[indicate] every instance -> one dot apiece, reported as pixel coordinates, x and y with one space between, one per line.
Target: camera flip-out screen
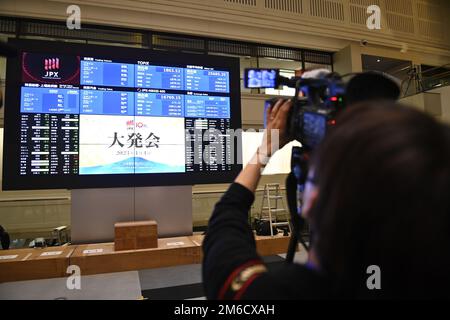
314 128
261 78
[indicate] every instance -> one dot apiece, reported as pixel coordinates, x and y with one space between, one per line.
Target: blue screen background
126 89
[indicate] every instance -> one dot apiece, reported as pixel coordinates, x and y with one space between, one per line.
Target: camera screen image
261 78
314 128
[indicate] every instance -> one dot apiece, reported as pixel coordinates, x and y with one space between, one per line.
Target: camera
316 102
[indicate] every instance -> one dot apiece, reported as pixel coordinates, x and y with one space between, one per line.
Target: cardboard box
135 235
267 245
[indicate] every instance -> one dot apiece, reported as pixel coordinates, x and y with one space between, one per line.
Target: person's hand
275 137
276 133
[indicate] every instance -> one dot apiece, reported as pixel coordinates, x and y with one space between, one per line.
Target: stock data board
90 115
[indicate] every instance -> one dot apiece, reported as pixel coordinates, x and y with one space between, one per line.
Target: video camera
316 102
318 98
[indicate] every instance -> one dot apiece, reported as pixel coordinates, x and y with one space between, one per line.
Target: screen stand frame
95 211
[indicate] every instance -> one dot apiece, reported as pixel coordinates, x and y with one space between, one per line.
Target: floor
179 283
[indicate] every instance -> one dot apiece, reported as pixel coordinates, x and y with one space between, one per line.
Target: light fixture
378 60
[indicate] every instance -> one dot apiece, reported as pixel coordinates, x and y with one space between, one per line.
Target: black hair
383 176
371 85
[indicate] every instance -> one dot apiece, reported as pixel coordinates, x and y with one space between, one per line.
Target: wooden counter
27 264
52 262
101 258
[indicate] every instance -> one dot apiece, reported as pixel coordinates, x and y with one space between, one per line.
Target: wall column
347 60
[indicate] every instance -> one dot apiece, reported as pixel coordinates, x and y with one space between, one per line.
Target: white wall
435 102
280 163
445 102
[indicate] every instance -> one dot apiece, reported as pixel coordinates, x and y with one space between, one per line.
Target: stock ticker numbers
106 73
159 77
214 153
87 96
207 80
159 104
49 144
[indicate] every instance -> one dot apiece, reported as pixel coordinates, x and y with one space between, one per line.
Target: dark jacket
233 270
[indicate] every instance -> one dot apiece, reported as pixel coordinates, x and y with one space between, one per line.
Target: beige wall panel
314 28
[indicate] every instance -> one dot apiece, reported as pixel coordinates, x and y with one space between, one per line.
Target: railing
422 81
436 77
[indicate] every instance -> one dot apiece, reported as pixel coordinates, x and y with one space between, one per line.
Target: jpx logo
51 67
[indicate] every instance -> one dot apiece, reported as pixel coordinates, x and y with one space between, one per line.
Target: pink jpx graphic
51 64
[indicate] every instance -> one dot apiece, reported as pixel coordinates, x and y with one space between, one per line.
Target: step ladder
273 207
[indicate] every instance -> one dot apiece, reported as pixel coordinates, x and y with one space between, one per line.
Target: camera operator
378 196
370 86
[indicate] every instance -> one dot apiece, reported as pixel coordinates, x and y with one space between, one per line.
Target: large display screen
81 116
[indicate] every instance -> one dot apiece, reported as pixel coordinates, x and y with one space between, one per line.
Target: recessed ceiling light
378 60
